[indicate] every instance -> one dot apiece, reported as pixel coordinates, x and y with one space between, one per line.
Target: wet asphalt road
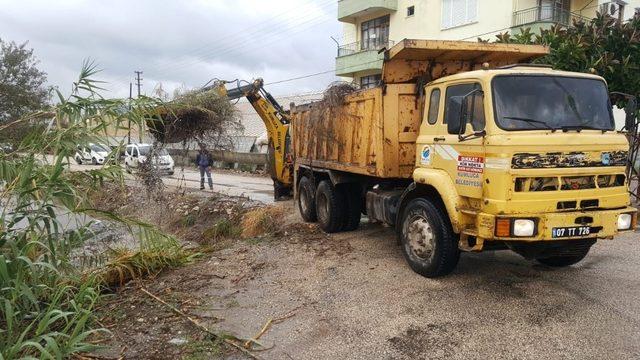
258 188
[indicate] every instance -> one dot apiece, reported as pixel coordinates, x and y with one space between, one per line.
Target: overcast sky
176 43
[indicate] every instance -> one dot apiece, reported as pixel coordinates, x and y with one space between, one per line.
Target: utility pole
139 84
138 80
129 117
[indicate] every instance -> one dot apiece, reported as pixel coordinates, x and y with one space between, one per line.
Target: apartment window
458 12
555 10
375 33
371 81
411 10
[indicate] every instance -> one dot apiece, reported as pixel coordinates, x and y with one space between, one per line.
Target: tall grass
46 303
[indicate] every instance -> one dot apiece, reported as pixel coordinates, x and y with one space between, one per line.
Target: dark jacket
204 160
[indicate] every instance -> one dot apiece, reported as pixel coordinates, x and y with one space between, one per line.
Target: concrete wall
184 157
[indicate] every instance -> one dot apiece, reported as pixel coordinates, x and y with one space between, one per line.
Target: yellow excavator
276 120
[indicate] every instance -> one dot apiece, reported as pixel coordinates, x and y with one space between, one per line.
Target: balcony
360 56
350 10
541 16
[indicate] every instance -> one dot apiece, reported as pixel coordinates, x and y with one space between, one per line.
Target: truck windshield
551 102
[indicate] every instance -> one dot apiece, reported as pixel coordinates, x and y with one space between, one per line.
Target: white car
138 153
93 153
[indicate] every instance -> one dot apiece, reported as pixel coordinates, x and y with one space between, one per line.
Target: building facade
371 25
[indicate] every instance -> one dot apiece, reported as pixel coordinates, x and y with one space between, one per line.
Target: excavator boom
276 121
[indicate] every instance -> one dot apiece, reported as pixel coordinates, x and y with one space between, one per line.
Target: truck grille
567 183
584 204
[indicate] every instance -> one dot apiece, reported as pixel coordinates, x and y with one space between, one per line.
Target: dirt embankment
211 224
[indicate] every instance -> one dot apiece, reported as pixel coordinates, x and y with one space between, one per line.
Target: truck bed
371 134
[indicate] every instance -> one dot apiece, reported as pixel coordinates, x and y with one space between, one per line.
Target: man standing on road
204 162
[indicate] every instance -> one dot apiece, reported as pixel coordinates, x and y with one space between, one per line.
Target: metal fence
367 45
545 14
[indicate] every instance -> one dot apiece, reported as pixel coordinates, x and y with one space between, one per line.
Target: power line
320 73
262 41
180 65
252 34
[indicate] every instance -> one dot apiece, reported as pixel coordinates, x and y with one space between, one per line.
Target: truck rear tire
427 239
306 200
353 201
566 260
330 207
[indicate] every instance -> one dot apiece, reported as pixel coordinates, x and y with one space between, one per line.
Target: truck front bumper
603 224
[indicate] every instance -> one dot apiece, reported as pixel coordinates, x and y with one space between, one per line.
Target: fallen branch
226 338
266 327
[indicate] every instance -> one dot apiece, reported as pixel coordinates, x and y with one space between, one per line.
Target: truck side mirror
454 111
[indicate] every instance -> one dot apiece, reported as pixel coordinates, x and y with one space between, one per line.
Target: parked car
139 153
93 153
6 148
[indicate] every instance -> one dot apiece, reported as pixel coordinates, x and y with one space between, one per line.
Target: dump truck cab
525 157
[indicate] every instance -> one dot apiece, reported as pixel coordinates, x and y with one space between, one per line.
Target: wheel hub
421 238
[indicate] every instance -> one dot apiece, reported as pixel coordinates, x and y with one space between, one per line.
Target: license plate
571 231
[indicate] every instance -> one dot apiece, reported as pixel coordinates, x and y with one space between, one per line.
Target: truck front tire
330 207
427 239
306 199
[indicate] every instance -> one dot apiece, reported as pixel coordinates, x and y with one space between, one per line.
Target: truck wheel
330 206
562 261
428 242
306 200
78 160
353 211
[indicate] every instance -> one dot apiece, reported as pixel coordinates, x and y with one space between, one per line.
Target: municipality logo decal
606 159
425 156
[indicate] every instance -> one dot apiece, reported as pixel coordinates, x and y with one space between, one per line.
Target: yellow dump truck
467 147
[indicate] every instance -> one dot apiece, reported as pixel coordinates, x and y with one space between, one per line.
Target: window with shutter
458 12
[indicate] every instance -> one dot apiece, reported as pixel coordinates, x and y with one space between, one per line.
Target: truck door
438 149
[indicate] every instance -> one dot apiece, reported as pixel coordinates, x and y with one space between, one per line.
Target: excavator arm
276 121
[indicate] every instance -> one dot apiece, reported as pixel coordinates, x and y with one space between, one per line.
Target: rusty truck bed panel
373 133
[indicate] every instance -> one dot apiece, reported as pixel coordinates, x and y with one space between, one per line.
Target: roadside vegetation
46 300
22 91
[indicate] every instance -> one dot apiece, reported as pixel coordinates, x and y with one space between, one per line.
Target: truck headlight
523 227
625 221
